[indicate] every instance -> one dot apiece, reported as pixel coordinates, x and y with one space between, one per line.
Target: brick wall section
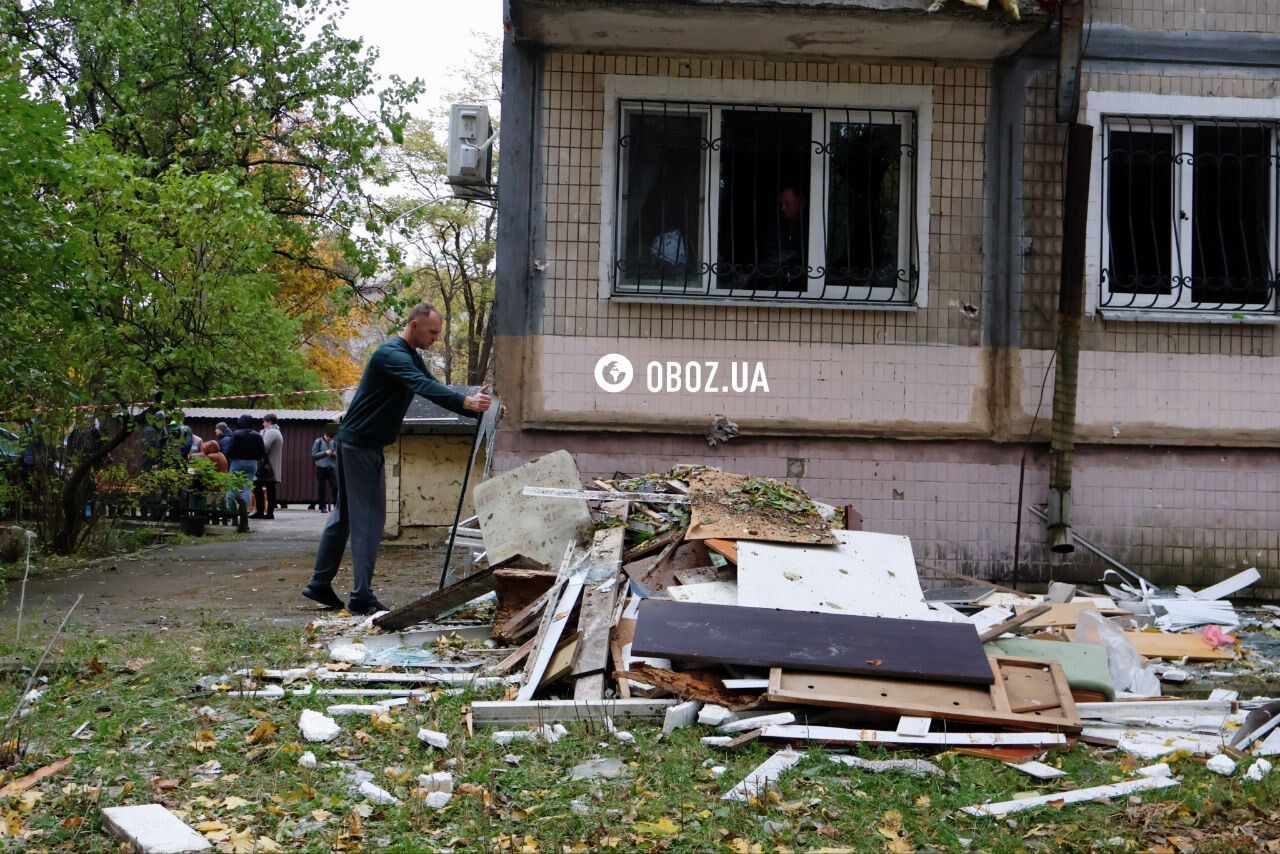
1224 16
1181 517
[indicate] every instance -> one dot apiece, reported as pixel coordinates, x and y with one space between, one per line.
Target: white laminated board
706 592
513 523
867 574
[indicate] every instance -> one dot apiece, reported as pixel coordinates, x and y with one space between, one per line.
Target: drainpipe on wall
1075 211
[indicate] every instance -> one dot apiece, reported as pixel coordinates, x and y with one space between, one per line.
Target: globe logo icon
614 372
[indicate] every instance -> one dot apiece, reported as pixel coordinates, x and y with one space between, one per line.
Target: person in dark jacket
222 433
324 454
393 375
245 449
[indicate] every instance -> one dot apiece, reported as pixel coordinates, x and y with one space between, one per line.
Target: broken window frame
906 290
1182 224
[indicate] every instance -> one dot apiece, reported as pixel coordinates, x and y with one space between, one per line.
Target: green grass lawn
147 742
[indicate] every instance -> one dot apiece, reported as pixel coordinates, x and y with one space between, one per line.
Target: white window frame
1178 113
748 93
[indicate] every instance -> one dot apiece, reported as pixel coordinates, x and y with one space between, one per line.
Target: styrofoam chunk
437 800
441 781
436 739
307 760
351 653
355 709
318 727
377 794
1221 764
1160 770
1259 769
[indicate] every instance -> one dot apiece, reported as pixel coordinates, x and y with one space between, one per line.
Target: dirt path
246 578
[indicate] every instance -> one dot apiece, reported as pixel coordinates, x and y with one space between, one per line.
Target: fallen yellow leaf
661 827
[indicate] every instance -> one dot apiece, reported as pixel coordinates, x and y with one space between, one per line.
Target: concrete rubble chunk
437 740
318 727
152 829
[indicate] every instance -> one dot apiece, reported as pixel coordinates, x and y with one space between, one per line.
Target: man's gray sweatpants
360 512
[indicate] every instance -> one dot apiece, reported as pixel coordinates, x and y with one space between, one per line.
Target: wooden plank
442 601
504 713
653 544
512 660
1013 623
868 574
541 528
1058 615
1192 647
727 549
1035 683
763 637
20 785
842 735
519 588
562 662
604 583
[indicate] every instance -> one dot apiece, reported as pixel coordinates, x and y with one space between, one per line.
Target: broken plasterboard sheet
733 506
866 574
513 523
707 592
152 829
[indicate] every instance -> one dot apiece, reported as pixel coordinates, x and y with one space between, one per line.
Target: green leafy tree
165 163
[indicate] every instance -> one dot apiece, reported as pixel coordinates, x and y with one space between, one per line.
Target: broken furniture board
1026 694
152 829
503 713
764 776
1067 614
1192 647
562 661
707 592
517 589
910 725
1084 664
690 685
840 643
990 617
843 735
722 509
868 574
727 549
438 603
1074 796
958 594
1059 593
541 528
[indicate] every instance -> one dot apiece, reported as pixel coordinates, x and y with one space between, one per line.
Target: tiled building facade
928 414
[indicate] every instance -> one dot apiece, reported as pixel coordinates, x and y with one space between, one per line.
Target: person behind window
784 244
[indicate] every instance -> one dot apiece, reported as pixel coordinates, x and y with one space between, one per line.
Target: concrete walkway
250 577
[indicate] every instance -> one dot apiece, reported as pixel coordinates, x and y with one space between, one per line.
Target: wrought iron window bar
1189 214
706 197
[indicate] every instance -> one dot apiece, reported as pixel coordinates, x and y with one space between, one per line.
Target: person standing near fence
271 469
246 449
324 454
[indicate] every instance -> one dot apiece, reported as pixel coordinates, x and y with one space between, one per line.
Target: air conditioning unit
471 136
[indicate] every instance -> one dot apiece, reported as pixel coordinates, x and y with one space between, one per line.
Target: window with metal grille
1189 214
778 203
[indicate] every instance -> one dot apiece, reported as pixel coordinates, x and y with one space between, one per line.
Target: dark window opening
1140 211
763 236
1230 220
864 204
661 213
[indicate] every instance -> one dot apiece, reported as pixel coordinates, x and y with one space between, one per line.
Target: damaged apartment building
861 202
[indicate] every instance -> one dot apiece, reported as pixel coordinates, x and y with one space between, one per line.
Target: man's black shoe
363 609
324 595
311 507
269 516
257 516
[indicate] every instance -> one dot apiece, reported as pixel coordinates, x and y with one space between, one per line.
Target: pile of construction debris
739 603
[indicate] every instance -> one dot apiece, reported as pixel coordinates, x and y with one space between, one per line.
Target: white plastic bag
1129 670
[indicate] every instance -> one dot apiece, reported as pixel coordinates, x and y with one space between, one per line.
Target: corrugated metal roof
322 415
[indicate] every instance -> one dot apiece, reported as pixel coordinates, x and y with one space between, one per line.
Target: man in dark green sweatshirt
394 374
